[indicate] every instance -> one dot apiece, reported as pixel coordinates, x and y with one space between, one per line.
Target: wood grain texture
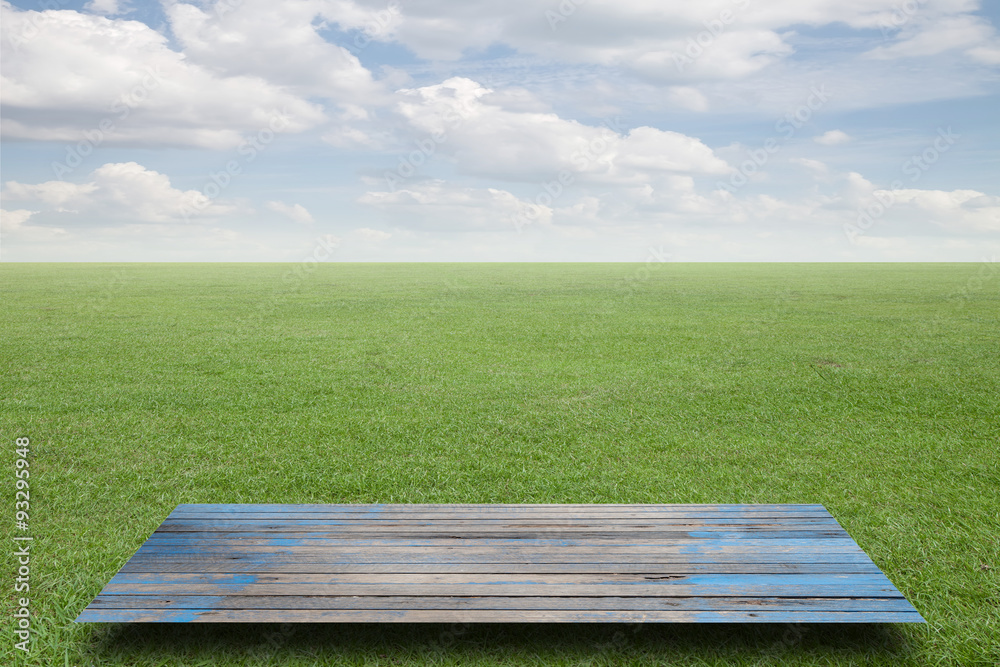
500 563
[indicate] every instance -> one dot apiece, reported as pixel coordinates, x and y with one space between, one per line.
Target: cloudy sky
523 130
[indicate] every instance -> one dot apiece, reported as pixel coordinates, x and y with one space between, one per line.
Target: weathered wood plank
145 564
525 507
499 519
486 616
403 579
279 524
515 548
504 517
374 527
561 537
506 589
353 556
307 525
700 603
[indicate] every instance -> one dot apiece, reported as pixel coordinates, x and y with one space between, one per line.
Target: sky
523 130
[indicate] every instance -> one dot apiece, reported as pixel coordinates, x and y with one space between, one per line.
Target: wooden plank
326 524
483 537
576 523
508 513
404 579
352 556
485 616
700 603
501 508
514 548
333 538
374 527
505 517
145 564
498 519
491 524
508 589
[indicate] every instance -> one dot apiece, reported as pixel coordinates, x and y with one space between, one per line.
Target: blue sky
423 130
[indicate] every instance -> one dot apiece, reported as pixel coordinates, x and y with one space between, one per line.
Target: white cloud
688 98
929 34
813 165
731 55
276 41
12 221
441 205
668 199
834 203
123 191
647 149
69 76
832 138
676 41
471 125
105 7
957 210
988 54
598 31
856 191
861 209
294 212
53 193
14 224
373 235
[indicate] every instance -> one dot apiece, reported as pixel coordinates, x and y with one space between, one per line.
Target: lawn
870 388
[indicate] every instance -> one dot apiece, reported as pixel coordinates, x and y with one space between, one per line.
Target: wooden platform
500 563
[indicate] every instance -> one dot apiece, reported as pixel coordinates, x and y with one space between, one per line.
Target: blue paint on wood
847 581
417 615
128 615
689 545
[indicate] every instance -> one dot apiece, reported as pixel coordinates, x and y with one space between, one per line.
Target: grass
872 389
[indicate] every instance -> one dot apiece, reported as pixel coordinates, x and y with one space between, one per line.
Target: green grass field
872 389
